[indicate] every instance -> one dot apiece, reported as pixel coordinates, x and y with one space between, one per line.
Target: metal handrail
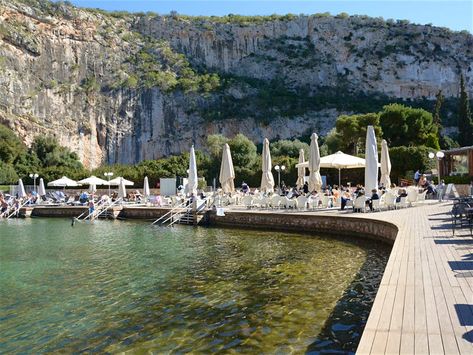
176 210
90 215
187 209
106 208
18 209
170 212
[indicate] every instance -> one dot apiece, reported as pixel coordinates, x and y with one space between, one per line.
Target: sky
454 14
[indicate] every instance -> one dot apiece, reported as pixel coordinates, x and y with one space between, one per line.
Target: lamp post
279 169
439 155
34 177
108 175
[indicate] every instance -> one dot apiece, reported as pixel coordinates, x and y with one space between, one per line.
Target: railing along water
91 216
16 210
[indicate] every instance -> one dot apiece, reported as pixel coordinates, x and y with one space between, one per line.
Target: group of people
423 183
9 205
343 194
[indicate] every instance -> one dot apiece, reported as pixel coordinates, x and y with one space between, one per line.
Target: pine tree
436 116
465 123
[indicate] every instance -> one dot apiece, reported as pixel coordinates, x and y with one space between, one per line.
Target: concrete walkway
424 304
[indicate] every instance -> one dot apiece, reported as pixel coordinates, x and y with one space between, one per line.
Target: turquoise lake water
126 286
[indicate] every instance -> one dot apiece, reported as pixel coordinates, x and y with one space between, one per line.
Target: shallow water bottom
127 286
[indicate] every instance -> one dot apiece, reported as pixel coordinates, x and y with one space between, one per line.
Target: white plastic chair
247 201
264 202
337 202
402 202
411 196
288 203
314 202
390 201
421 196
325 201
376 205
360 204
301 203
275 201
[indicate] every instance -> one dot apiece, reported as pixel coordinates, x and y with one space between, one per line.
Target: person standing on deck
417 177
441 190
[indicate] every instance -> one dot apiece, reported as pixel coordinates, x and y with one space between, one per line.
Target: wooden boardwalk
424 304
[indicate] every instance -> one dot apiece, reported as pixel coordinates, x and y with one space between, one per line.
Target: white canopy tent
338 160
117 181
227 173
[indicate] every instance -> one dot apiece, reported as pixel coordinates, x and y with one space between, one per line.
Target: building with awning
457 161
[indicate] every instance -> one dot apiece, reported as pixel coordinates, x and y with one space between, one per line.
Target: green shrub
8 174
404 159
458 179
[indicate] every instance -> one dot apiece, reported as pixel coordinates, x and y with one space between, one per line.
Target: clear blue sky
454 14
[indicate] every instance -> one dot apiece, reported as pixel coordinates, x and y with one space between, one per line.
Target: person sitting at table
402 193
374 196
83 197
423 181
336 193
294 193
360 191
245 188
306 187
346 196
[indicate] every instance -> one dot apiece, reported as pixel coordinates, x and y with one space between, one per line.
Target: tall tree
407 126
351 131
444 142
465 123
438 105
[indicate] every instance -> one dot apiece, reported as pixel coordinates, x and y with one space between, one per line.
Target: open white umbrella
338 161
41 189
93 180
117 181
385 165
21 189
315 180
63 182
371 157
122 189
300 170
191 187
227 173
146 192
267 180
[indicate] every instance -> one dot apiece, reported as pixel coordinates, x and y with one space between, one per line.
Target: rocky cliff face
127 88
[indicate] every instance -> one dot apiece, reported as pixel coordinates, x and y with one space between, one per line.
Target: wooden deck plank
432 307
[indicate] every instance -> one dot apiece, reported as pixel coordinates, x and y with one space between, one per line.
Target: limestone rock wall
58 74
